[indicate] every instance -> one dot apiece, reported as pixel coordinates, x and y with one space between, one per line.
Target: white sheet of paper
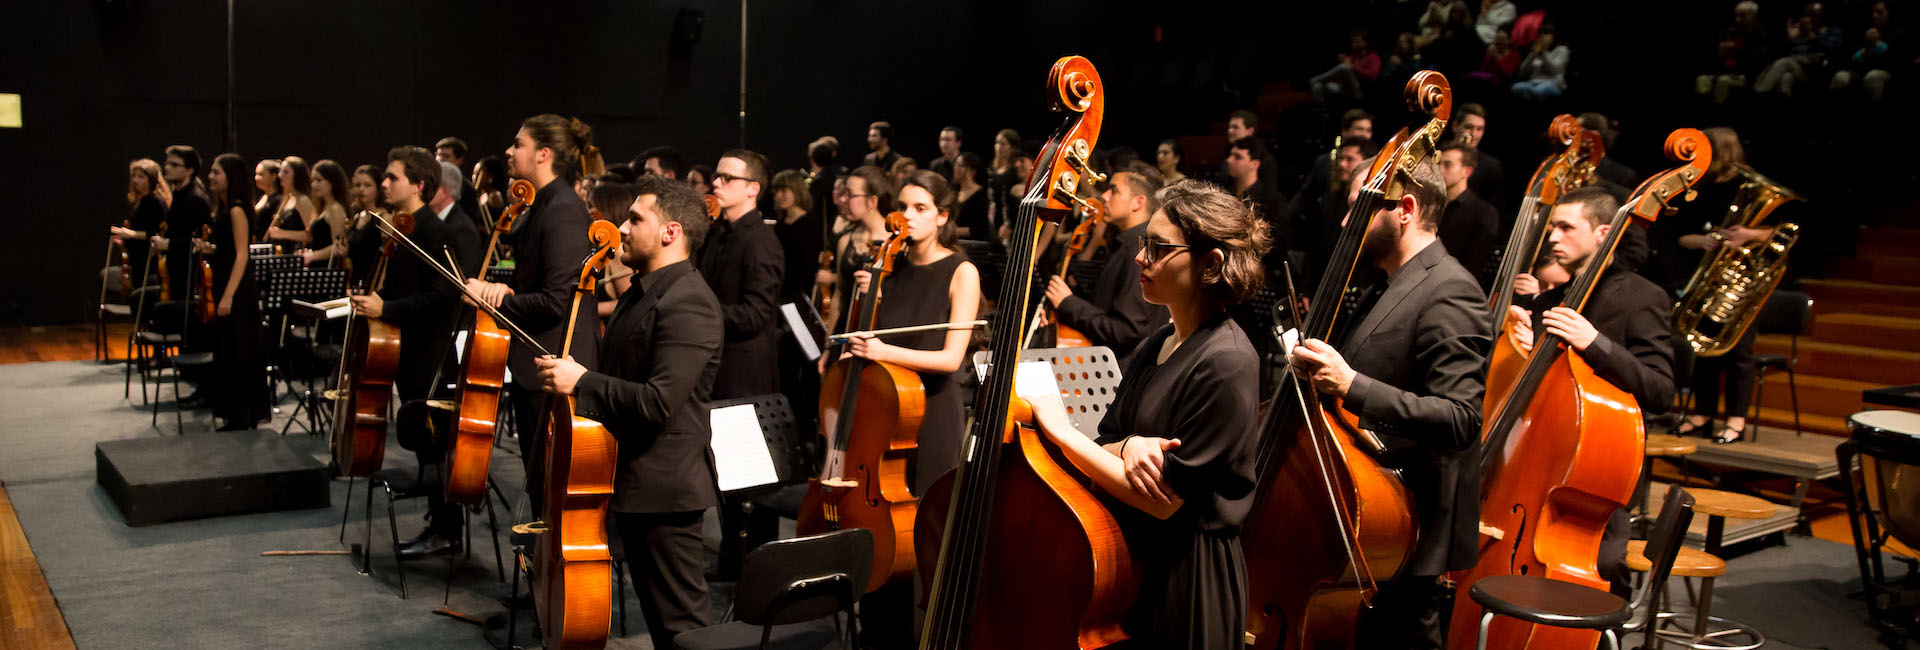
799 328
740 450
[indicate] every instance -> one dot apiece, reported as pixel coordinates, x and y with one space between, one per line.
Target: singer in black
1413 369
659 361
549 246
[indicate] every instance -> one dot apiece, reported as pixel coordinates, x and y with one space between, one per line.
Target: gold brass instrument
1727 290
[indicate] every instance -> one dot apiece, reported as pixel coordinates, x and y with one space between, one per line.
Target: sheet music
741 457
336 308
802 334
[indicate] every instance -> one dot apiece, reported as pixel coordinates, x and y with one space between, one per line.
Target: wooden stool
1707 565
1658 444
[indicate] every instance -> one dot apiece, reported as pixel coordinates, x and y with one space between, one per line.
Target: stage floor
204 584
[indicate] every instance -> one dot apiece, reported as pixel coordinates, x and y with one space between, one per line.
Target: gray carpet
203 584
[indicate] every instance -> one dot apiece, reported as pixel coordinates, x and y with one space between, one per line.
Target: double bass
871 413
573 570
369 357
1095 212
1028 556
1329 519
1573 167
482 378
1564 448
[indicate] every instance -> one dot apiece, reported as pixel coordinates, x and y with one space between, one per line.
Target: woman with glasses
869 195
1175 453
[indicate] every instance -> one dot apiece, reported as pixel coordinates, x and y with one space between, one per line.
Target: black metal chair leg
393 529
1794 399
367 531
346 507
493 533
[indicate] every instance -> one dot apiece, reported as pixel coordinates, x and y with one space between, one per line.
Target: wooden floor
29 617
29 344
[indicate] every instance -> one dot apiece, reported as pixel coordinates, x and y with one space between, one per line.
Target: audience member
1543 74
1353 68
1811 44
1495 16
1739 55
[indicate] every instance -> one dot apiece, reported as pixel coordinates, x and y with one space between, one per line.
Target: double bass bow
993 585
369 357
482 377
573 579
1563 450
870 412
1330 520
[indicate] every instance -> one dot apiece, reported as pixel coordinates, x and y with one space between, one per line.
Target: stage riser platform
156 480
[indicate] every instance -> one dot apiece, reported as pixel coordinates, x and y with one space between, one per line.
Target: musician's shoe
193 401
429 545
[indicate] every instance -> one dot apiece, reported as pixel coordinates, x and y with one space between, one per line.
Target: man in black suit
662 353
1413 368
742 261
454 150
1116 314
880 139
1622 332
1246 160
425 305
1489 181
1469 225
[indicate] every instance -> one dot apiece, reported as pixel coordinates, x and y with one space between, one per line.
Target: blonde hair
156 184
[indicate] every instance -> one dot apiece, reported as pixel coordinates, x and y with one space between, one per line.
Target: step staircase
1866 334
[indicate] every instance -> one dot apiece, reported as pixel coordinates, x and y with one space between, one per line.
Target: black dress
240 369
973 217
917 295
800 243
289 220
320 235
1195 573
148 214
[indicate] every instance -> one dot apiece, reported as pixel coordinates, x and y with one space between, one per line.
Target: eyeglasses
1158 249
725 177
858 196
174 164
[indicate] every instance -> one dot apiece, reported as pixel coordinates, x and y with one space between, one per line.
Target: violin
1563 450
166 285
824 292
1331 520
573 577
369 357
1093 215
713 205
206 306
1028 556
126 261
483 375
870 412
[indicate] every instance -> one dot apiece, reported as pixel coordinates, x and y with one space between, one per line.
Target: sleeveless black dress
240 361
320 235
917 295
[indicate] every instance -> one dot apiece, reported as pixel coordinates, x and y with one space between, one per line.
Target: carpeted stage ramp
203 584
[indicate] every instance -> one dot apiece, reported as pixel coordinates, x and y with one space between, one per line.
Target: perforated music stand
283 282
1088 378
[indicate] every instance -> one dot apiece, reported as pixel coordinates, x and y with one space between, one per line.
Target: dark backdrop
108 81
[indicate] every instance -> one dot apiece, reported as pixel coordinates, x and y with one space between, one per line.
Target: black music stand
281 286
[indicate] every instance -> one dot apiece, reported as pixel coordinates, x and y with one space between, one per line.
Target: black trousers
667 558
426 439
1613 561
1737 366
531 409
1408 613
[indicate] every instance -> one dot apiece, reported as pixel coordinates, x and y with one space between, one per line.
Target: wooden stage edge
29 617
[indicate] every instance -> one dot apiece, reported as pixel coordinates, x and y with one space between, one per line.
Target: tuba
1727 290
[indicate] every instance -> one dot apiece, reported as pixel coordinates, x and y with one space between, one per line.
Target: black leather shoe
193 401
425 536
431 546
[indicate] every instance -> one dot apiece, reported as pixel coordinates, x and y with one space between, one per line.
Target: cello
871 414
1560 173
1330 520
992 585
573 576
1564 449
482 377
369 357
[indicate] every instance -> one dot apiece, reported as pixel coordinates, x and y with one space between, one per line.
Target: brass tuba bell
1727 290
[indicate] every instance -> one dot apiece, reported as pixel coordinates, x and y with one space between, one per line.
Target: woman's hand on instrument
1526 284
559 375
861 278
158 241
870 348
369 305
308 255
825 278
202 246
119 231
226 307
1742 235
492 292
1523 327
1320 363
1571 326
1057 290
1142 458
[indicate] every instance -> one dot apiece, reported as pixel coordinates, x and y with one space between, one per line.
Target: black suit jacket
1489 180
1118 316
1469 227
422 305
742 262
661 355
1420 357
548 249
1632 351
